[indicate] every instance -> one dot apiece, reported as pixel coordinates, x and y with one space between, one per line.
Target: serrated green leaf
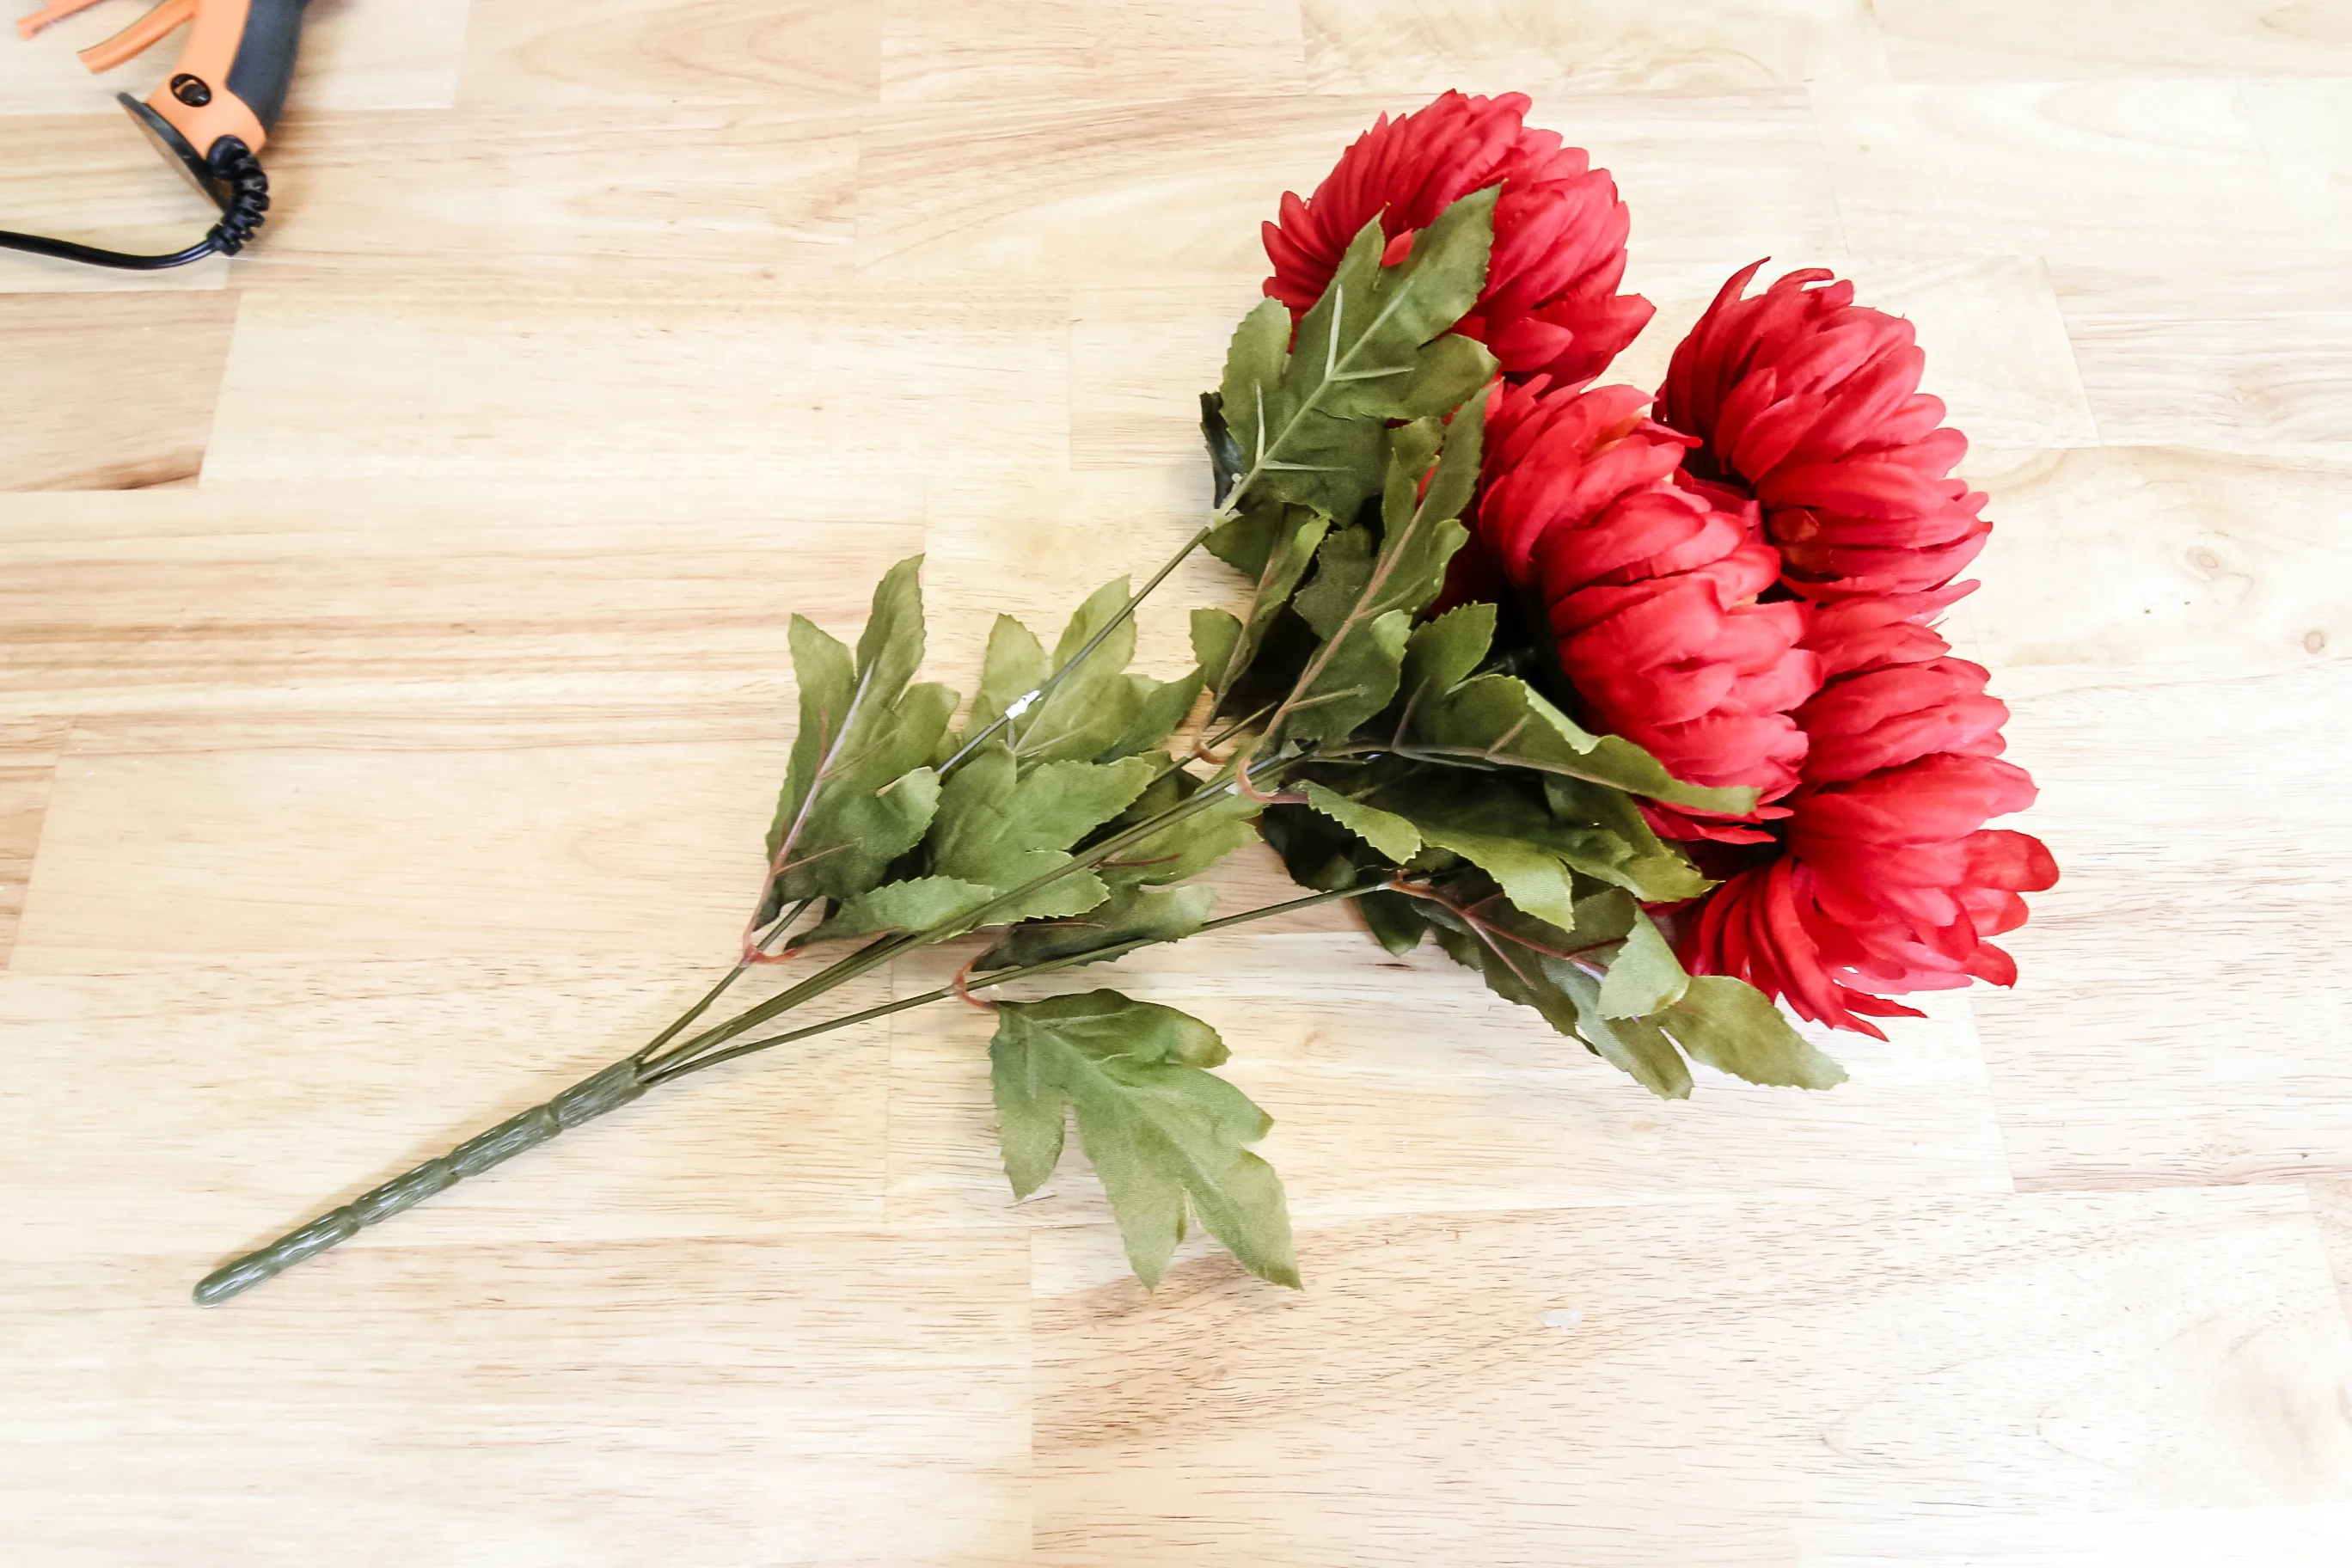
1524 967
1634 1047
1290 550
1735 1028
1013 667
1215 635
859 791
1365 619
1499 720
1385 831
1342 566
1308 427
1162 1131
1185 849
1136 914
1610 840
1003 827
1093 706
1394 922
1498 826
1643 975
1159 707
1254 359
1441 654
920 903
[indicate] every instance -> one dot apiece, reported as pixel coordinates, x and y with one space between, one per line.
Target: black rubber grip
265 58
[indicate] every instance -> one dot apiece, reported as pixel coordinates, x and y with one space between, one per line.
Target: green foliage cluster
1391 757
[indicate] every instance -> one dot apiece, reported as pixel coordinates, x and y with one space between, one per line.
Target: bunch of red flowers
1741 572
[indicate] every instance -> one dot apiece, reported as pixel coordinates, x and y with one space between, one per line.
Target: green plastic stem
590 1097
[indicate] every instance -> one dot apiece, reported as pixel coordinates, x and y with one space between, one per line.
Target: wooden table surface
395 686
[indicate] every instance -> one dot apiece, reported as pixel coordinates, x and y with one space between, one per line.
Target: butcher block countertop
393 687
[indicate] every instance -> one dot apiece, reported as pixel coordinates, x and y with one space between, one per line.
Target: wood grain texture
1767 1367
1561 46
100 424
395 686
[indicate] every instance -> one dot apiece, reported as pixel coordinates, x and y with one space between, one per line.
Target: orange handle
55 11
142 35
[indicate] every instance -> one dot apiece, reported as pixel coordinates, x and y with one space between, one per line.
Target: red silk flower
1550 305
1888 880
1884 878
1649 583
1811 404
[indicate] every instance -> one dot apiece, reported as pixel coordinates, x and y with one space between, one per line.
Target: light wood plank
386 386
2139 560
1529 45
2201 1538
2252 359
28 762
2332 1201
2306 127
2181 981
196 1108
2102 170
1052 51
321 847
735 201
126 387
603 54
199 615
1136 193
1726 1379
2017 40
817 1400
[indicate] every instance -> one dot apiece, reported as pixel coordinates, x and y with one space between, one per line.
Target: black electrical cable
247 208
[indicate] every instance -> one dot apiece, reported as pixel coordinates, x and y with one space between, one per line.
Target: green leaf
1441 654
1365 615
1607 838
1013 667
1159 707
1385 831
1254 359
1635 1046
1498 826
1185 849
1733 1028
1643 976
1135 915
1498 720
1513 962
1395 920
1003 828
859 791
1307 427
1290 549
1163 1133
1093 707
920 903
1342 567
1215 635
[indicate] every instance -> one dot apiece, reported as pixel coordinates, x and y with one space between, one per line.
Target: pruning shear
211 115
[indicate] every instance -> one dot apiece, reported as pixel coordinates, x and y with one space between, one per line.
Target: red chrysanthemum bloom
1649 583
1550 305
1888 880
1811 404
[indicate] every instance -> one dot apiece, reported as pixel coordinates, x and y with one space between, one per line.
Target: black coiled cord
246 208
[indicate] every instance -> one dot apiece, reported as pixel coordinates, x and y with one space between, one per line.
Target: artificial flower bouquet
1631 703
